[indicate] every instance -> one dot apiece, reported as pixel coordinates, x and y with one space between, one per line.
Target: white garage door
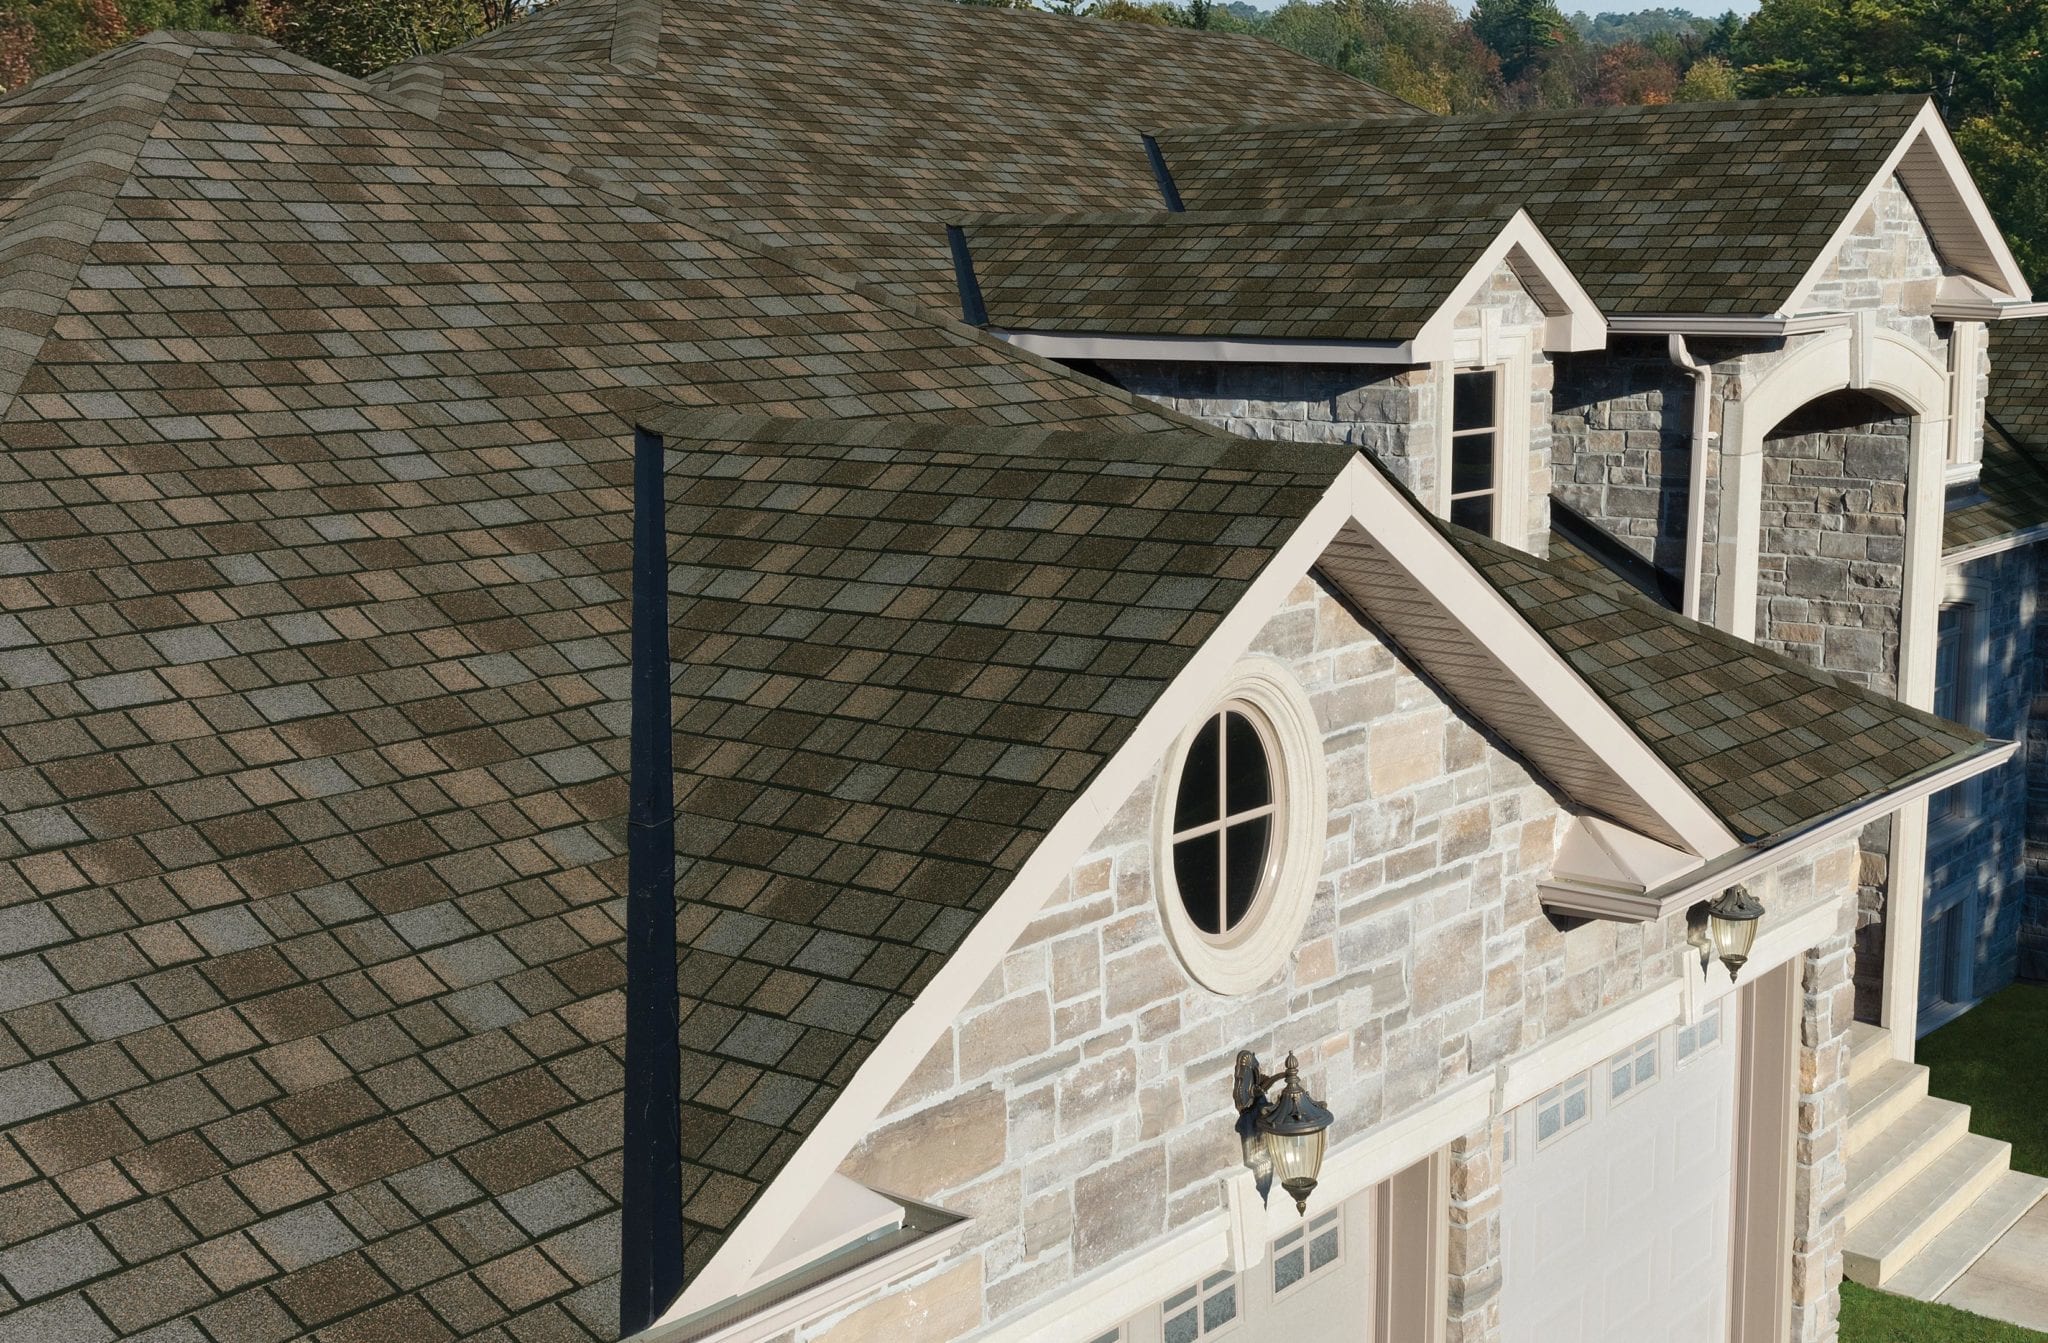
1615 1200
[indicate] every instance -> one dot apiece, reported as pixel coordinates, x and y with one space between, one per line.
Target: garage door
1616 1195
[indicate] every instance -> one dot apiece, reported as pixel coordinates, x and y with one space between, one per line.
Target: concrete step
1963 1242
1884 1241
1870 1048
1879 1098
1893 1158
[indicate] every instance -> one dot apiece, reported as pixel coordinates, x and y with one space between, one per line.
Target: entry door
1616 1199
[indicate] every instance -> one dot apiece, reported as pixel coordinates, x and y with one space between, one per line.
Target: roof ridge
1535 116
47 241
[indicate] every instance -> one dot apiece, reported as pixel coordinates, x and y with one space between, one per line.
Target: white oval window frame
1254 951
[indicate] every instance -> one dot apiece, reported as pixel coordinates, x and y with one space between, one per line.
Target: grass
1992 1059
1880 1317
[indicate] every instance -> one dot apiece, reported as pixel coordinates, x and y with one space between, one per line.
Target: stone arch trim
1859 357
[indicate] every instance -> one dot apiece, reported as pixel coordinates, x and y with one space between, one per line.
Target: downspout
651 1198
1696 485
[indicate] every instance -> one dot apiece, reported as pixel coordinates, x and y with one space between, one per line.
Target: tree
1521 32
1708 80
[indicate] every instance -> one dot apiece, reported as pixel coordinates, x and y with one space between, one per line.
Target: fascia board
1926 126
854 1113
1206 349
1595 902
1712 324
1572 315
1434 565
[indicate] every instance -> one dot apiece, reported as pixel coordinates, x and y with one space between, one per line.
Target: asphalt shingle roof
2019 381
1685 208
899 655
314 543
855 129
1290 274
1771 744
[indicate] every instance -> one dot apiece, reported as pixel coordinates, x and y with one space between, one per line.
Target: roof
900 654
854 129
1682 208
1771 744
314 540
2018 398
1289 274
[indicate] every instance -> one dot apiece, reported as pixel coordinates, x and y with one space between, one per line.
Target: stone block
1012 1030
939 1148
1119 1207
947 1305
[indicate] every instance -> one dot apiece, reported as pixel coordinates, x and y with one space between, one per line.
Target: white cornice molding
1623 906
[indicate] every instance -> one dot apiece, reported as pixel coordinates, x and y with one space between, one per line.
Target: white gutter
1997 545
1209 349
1986 311
1706 324
1696 483
1746 862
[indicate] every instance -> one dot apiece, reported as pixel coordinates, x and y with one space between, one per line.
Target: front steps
1926 1195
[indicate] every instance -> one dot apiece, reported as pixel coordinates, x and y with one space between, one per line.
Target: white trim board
1112 1294
1600 1037
1997 545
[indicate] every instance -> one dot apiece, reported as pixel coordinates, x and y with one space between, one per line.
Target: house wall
1079 1109
1621 454
2033 930
1831 568
1393 413
1983 855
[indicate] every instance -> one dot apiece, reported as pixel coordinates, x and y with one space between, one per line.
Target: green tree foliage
1984 62
1523 33
1710 80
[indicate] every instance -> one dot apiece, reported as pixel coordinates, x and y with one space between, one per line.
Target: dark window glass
1249 783
1471 463
1195 863
1196 804
1476 513
1223 822
1472 400
1245 853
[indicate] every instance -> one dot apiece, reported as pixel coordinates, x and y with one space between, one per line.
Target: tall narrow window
1951 695
1475 448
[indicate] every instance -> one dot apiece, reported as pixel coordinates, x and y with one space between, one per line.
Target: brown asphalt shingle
1685 208
1771 744
1282 274
899 655
854 129
314 520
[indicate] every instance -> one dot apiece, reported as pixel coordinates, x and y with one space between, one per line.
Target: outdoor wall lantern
1729 929
1283 1136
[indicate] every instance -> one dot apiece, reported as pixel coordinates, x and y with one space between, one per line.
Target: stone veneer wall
1389 412
1621 444
1820 1185
1831 567
1078 1110
2033 934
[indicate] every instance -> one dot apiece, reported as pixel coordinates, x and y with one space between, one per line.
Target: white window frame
1255 950
1508 357
1302 1237
1971 598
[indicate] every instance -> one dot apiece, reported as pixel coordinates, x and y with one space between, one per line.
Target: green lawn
1992 1059
1880 1317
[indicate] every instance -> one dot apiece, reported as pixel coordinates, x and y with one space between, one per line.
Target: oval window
1223 822
1239 815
